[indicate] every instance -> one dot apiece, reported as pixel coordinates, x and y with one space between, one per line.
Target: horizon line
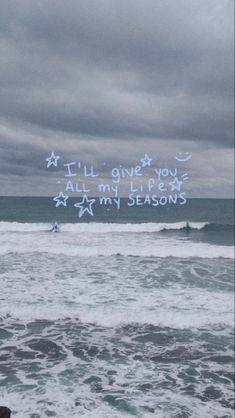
121 197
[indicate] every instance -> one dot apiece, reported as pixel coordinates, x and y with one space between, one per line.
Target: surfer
55 227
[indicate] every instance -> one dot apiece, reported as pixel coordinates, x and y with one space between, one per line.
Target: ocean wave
104 228
111 239
159 249
161 317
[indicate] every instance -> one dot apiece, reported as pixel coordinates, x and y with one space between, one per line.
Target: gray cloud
112 77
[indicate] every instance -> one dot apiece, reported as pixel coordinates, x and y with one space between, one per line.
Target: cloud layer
114 79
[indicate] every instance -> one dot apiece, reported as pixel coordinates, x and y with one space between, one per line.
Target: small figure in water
55 227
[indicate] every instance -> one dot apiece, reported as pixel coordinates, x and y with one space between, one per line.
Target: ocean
127 313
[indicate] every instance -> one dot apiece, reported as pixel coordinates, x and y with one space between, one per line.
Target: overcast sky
111 80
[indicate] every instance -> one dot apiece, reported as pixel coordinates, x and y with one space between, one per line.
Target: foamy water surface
115 320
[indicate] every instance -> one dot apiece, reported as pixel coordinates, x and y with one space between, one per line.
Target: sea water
127 313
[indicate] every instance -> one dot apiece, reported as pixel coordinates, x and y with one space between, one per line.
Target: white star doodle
58 200
146 161
83 208
175 184
52 160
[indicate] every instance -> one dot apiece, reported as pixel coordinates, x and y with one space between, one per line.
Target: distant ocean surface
127 313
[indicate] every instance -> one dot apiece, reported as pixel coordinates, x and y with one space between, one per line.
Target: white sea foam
111 291
60 401
94 239
59 277
125 247
102 228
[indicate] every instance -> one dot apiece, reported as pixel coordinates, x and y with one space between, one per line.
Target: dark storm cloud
155 68
122 71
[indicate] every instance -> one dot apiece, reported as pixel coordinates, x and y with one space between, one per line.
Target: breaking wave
98 227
